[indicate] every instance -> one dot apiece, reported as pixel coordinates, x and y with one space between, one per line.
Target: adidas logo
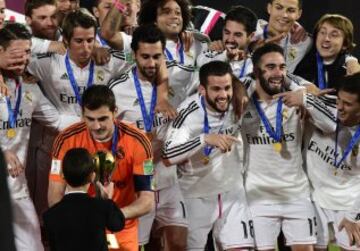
64 76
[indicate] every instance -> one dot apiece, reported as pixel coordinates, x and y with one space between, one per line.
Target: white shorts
295 219
169 211
26 226
328 223
227 214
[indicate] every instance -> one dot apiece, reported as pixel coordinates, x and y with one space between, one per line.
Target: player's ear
202 90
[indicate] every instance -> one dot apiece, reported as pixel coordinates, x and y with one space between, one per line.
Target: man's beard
267 86
212 104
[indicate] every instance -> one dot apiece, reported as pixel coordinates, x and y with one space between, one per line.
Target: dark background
312 10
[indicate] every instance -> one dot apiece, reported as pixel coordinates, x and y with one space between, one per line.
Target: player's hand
221 141
13 59
4 89
129 29
187 37
291 98
100 55
235 53
352 229
15 168
298 33
106 191
261 42
217 45
352 67
57 47
314 90
166 109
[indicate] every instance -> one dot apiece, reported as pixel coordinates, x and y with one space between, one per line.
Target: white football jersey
274 176
185 147
129 110
33 106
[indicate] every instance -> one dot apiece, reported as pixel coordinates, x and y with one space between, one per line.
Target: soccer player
17 111
332 163
40 15
131 149
276 185
329 59
203 141
238 31
283 15
136 105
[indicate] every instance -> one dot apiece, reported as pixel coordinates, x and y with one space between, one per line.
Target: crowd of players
245 137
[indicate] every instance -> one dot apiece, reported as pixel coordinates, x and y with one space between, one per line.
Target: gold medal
277 147
335 172
205 160
149 135
11 133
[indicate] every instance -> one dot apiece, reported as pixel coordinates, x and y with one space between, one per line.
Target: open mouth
276 81
231 46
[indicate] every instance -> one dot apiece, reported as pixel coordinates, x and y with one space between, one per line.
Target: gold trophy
104 166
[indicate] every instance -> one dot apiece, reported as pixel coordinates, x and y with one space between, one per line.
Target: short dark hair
13 31
77 18
351 84
148 33
300 3
243 15
214 68
265 49
97 96
30 5
148 11
77 166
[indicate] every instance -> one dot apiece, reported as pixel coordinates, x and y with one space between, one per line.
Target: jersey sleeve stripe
320 107
180 149
184 113
73 130
139 136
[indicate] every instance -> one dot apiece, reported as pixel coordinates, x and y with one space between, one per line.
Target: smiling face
271 73
235 35
348 106
329 41
218 92
169 19
283 14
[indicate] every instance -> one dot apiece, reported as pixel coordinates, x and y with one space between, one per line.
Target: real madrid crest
100 76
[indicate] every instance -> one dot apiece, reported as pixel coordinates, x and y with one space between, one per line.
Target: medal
277 134
277 147
205 160
11 133
355 151
147 117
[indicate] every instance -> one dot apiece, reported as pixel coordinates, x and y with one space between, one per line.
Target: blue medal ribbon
114 141
102 41
355 138
13 113
147 117
243 68
180 50
72 79
320 72
277 134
